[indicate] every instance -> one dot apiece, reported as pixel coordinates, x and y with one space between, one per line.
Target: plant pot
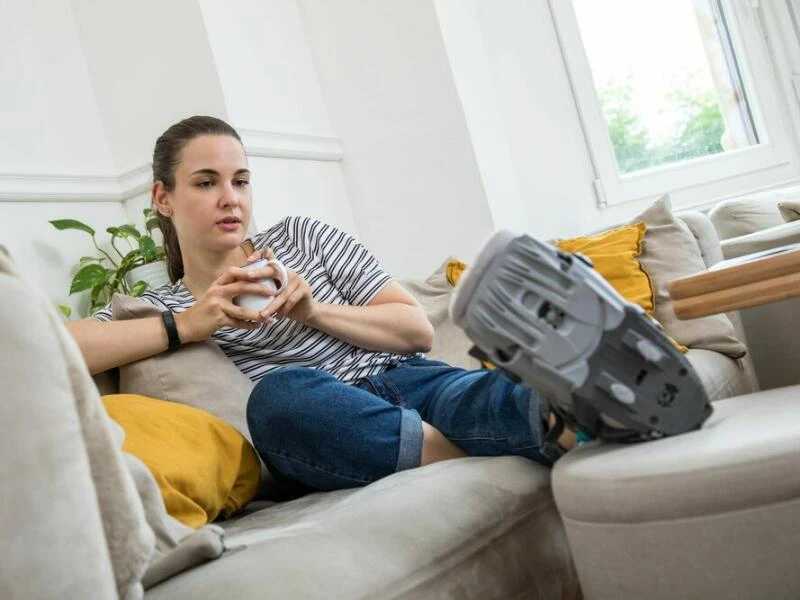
154 273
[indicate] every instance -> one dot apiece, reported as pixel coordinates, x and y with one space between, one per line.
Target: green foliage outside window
698 133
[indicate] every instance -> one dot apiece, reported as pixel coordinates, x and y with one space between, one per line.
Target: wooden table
742 282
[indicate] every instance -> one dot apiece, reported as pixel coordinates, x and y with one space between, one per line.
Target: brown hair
166 156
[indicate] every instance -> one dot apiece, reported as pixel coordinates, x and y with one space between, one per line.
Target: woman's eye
242 182
204 184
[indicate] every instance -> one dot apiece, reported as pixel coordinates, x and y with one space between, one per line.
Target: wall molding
57 187
44 187
268 144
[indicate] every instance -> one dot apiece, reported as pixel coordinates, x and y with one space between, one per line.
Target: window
675 96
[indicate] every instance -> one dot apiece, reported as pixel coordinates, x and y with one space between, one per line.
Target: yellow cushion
203 466
455 268
614 256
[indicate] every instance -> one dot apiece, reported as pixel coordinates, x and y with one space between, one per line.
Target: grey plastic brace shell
549 319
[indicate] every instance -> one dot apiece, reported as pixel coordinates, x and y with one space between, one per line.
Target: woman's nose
229 195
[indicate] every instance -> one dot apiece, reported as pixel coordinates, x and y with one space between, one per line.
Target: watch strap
172 330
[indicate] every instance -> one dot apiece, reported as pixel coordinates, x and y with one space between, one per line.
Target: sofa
466 528
756 224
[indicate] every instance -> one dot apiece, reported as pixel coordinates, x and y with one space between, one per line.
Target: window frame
700 181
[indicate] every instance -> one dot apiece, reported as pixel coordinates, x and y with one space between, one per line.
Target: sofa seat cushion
466 528
721 376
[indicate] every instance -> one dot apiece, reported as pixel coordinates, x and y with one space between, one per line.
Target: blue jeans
309 427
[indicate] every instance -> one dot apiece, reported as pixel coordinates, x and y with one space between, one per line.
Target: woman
343 396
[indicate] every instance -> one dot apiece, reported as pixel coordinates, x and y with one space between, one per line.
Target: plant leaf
88 277
148 249
90 259
128 262
62 224
152 224
65 310
131 231
139 288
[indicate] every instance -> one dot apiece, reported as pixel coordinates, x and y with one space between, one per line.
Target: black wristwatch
172 330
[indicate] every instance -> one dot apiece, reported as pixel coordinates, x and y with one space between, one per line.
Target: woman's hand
215 309
294 301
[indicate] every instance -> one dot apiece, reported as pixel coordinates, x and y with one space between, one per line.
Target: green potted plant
135 268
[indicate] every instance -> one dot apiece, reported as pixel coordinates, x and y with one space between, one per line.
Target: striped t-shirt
338 269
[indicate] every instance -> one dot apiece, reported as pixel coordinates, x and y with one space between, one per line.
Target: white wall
48 114
264 66
287 187
410 171
536 107
45 257
460 24
91 85
273 97
50 128
151 65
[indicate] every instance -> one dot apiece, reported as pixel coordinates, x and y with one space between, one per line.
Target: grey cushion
466 528
790 210
671 252
741 216
198 375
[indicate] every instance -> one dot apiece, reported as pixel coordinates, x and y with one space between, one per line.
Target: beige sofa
772 339
469 528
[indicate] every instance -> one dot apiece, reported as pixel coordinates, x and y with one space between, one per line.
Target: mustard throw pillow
614 256
202 465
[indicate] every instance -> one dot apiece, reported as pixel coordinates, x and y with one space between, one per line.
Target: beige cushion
469 528
741 216
789 209
450 344
721 376
671 252
198 375
709 514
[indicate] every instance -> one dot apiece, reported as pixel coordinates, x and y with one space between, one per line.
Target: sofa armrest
771 339
765 239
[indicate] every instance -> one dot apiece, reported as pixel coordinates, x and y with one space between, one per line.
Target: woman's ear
161 199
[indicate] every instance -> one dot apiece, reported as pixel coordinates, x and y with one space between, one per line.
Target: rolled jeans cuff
538 414
409 455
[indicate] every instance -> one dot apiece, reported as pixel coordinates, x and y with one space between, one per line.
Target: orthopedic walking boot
549 320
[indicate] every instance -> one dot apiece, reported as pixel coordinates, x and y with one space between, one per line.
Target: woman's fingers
241 315
273 307
291 301
243 324
235 274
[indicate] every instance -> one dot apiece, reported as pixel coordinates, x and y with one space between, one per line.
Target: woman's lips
229 226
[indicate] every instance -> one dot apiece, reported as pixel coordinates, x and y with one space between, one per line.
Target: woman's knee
281 399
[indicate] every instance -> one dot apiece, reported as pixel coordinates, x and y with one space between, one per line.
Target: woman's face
211 203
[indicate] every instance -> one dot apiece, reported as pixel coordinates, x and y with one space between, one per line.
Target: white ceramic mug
254 301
